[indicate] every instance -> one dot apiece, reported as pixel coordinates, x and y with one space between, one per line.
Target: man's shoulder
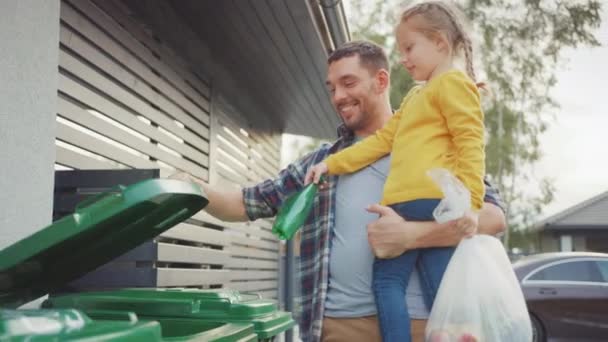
328 147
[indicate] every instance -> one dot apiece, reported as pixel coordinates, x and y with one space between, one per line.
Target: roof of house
589 214
267 59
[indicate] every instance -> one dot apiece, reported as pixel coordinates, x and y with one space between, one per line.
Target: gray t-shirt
350 261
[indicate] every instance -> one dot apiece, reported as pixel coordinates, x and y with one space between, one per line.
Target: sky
574 146
574 154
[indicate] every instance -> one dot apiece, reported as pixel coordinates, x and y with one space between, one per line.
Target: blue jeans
391 276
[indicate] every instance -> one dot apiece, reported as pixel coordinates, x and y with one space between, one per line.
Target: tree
521 45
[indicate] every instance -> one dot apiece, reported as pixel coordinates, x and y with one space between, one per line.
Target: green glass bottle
294 212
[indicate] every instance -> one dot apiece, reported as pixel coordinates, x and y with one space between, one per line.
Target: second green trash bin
168 305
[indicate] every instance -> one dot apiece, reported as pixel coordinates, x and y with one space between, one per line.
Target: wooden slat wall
242 158
125 100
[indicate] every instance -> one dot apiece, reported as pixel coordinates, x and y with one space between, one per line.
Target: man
336 249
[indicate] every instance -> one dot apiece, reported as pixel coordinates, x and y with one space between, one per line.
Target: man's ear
382 80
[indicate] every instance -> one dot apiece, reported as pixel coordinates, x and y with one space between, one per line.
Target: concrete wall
29 38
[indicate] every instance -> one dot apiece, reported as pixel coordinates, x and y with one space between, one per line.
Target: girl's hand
314 173
468 223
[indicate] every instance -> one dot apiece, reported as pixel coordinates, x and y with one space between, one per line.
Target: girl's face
420 55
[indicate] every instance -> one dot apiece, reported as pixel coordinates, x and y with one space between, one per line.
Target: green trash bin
71 325
167 305
101 229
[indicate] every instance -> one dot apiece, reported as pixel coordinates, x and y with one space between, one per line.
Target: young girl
439 124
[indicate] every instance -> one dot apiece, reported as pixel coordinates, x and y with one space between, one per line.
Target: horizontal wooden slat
121 53
128 78
253 141
252 230
193 233
264 223
252 252
249 168
252 263
191 277
254 286
270 294
271 170
260 173
77 114
78 161
122 95
246 228
238 168
231 175
253 275
117 23
268 154
271 245
110 109
193 255
85 141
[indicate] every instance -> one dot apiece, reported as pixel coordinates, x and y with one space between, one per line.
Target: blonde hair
441 17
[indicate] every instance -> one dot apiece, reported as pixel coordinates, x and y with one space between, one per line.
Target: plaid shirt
264 200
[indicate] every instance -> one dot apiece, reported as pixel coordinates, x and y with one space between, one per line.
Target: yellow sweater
439 124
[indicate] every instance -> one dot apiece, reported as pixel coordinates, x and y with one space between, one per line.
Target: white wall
29 39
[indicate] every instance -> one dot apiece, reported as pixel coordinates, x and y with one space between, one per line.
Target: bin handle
127 316
255 294
115 190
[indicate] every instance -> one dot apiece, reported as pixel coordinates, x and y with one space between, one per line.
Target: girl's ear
441 41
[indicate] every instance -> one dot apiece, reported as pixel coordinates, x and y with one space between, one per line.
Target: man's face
353 91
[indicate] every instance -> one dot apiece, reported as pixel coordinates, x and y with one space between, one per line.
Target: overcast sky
576 145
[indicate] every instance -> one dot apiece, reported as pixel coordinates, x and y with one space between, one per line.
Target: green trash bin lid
219 305
72 325
100 230
189 329
186 329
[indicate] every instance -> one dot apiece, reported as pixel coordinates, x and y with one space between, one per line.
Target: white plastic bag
479 298
457 198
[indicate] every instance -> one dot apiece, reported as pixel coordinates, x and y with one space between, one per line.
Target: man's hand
314 173
388 236
468 224
224 205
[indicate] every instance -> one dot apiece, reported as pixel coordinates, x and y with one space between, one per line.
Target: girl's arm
460 105
365 152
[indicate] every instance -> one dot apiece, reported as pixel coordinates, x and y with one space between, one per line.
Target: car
566 294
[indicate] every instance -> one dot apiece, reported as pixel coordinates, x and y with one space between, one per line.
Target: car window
603 266
570 271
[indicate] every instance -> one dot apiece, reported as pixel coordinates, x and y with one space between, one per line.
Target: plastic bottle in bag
294 211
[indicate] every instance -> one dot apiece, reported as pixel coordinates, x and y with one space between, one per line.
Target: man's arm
257 201
391 235
224 205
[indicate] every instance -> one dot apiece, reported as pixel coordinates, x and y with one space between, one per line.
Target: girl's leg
432 263
390 278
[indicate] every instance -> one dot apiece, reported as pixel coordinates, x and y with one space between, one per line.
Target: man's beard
358 124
